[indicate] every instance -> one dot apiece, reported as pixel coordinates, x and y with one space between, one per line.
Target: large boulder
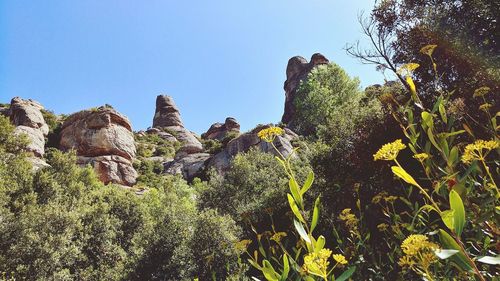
189 166
167 118
296 71
103 138
111 169
219 131
98 132
27 116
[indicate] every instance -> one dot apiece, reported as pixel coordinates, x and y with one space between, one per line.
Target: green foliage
62 223
251 173
149 145
330 103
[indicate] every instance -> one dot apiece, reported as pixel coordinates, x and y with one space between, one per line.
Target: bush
330 104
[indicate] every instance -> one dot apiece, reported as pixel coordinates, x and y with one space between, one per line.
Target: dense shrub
62 223
329 103
253 187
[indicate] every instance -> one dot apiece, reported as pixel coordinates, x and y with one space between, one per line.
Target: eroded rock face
218 131
26 115
167 117
103 138
189 166
296 71
222 160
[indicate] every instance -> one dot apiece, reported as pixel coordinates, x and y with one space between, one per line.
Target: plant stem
459 242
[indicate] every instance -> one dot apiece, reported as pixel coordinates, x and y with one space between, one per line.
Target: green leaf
459 258
302 232
448 218
442 112
427 119
315 216
430 134
401 173
346 274
308 183
294 189
254 264
294 208
457 206
490 260
269 271
320 243
286 268
453 157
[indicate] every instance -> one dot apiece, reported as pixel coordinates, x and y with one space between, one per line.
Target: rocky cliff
296 71
103 137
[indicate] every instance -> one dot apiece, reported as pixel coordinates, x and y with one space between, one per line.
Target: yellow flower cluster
478 150
481 92
419 252
278 236
350 220
407 69
242 245
317 262
421 156
269 134
428 49
340 259
389 151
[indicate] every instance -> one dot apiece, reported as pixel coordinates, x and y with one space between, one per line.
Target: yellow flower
278 236
407 69
242 245
428 49
421 156
419 252
389 151
382 227
350 220
481 92
485 107
269 134
317 263
478 150
340 259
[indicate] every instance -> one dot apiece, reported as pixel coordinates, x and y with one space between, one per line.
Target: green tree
330 104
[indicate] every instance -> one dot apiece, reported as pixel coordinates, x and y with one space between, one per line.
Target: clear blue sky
216 58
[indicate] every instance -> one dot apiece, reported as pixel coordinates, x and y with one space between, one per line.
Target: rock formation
167 118
296 71
218 131
27 116
222 160
103 138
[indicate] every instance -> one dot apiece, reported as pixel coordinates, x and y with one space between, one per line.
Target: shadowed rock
26 115
296 71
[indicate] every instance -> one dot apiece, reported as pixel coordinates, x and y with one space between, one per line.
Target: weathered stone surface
297 70
36 138
26 115
189 166
222 160
111 169
167 119
166 113
218 131
104 139
98 132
